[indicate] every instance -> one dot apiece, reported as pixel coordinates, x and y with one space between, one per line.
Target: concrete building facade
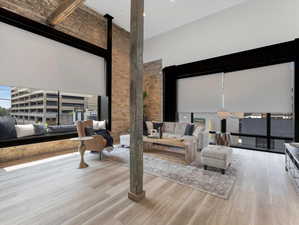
39 106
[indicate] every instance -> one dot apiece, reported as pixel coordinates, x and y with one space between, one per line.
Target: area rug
209 181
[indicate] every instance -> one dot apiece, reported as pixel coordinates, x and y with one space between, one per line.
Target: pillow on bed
25 130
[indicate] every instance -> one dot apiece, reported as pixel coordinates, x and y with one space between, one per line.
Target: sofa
10 131
19 142
187 131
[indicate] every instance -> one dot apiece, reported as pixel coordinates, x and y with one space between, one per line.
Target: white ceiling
161 15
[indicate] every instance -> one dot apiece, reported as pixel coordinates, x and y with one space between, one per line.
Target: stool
216 156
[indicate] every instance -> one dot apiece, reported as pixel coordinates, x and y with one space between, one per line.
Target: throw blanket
105 134
89 131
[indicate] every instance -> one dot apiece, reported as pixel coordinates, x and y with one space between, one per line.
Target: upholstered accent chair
97 144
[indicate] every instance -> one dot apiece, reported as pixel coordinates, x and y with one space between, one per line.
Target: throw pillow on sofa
189 130
157 125
99 125
7 128
145 131
25 130
168 127
149 126
197 131
39 129
180 129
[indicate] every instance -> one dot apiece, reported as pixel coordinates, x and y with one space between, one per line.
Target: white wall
256 23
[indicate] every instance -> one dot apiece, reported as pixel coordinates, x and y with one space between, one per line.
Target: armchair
97 144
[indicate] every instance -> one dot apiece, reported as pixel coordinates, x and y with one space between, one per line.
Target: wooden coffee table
187 148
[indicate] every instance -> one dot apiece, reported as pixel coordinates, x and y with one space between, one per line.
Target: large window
261 131
5 101
33 106
46 79
263 95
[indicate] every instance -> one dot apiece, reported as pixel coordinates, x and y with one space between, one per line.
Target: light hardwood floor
59 193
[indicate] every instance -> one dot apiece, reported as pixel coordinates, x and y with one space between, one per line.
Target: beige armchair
97 144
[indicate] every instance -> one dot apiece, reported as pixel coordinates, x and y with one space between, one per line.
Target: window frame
269 138
49 32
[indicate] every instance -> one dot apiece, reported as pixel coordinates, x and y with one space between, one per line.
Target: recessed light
172 0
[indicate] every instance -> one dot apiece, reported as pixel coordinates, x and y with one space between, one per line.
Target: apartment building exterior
38 106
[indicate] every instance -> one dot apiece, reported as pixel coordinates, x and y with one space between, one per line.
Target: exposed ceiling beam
66 8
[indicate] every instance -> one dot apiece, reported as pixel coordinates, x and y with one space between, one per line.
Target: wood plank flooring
58 193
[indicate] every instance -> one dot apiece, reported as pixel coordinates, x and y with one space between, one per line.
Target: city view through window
250 130
32 106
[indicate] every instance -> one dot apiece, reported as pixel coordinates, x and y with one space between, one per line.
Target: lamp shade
223 115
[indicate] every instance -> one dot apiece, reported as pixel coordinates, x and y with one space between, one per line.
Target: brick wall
27 151
153 87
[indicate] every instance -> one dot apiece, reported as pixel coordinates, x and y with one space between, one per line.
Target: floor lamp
223 116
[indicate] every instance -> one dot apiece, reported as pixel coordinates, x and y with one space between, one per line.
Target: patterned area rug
212 182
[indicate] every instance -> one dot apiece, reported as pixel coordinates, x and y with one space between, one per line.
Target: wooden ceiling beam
66 8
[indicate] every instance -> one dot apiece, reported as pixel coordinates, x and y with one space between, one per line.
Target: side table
125 140
82 149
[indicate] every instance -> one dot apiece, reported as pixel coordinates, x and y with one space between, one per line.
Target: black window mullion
268 130
58 108
192 117
99 108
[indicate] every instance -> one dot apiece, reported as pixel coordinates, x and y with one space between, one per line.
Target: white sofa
177 130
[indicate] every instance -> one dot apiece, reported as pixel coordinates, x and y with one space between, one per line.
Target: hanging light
223 115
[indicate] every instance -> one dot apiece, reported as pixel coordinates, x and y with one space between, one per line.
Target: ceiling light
144 14
172 0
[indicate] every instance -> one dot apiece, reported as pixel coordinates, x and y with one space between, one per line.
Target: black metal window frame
285 52
268 137
50 32
258 136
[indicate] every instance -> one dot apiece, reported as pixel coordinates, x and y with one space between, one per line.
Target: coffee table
188 149
82 149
